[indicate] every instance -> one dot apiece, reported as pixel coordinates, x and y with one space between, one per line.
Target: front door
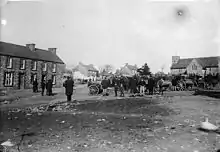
21 82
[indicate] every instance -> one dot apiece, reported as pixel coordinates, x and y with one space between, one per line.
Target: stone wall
28 72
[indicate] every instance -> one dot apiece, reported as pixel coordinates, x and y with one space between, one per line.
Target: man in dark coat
69 84
43 85
142 84
35 85
151 84
133 85
105 85
116 85
49 86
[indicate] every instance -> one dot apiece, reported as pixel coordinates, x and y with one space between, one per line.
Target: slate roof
20 51
205 62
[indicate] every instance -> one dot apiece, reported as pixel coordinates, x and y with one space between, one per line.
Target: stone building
199 66
19 65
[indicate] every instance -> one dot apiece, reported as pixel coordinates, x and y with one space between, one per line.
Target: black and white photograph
110 76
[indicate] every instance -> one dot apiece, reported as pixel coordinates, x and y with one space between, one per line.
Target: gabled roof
182 63
205 62
20 51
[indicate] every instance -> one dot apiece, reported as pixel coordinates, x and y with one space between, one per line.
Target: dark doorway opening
21 81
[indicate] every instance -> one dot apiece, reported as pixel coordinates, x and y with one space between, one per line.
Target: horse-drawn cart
95 88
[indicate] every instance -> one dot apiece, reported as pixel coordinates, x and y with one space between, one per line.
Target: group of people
44 85
135 85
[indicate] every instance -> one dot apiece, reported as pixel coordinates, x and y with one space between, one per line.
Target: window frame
44 66
34 65
54 67
10 60
54 79
23 63
11 77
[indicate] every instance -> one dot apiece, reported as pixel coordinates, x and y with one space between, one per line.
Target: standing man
133 84
68 84
43 85
105 85
142 84
116 85
49 86
35 85
151 84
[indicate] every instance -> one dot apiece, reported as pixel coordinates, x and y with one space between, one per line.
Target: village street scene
111 77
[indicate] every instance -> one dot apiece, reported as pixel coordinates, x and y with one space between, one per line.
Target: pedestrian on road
105 85
43 85
160 84
116 85
49 86
151 84
142 84
35 85
133 84
68 84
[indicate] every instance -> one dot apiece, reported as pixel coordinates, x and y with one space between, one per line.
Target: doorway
43 77
21 81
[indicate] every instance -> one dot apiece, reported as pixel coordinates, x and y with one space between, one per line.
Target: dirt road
156 124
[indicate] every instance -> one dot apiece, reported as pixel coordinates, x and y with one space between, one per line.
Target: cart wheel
93 90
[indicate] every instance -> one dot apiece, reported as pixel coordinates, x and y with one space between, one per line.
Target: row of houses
199 66
83 71
20 65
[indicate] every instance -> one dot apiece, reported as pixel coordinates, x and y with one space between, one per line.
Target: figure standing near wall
43 85
35 85
49 86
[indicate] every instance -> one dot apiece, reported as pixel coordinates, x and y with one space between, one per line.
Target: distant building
199 66
127 70
83 71
21 64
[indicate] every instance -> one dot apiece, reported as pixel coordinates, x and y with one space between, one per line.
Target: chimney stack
31 46
53 50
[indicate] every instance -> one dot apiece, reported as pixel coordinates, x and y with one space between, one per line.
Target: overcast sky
116 31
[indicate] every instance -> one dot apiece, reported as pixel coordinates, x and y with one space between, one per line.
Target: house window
54 79
44 66
54 67
8 81
22 64
34 65
9 62
33 77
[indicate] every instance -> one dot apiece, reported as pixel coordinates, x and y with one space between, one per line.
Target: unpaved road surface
156 124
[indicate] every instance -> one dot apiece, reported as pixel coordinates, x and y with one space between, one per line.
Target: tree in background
144 70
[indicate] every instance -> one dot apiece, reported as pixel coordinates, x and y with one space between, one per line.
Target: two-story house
20 65
199 66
